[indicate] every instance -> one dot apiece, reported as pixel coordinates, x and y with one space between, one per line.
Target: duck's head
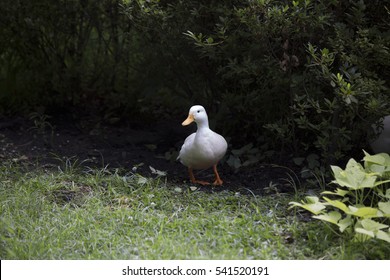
197 114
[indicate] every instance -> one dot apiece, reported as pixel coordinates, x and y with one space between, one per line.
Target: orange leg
194 181
218 181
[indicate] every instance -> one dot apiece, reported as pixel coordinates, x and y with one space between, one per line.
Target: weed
362 204
41 123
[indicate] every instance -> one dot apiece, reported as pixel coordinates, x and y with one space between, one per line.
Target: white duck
204 148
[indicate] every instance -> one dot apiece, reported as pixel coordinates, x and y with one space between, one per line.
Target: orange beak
188 120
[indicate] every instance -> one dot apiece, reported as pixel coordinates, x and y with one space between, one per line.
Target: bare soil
132 147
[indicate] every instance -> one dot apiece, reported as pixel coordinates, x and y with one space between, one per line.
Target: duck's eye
198 111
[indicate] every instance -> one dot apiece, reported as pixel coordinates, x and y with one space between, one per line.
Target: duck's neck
202 126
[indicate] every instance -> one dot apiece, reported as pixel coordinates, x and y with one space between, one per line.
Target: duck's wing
186 145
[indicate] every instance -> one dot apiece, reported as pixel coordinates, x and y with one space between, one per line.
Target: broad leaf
338 192
338 204
312 199
313 205
345 223
366 232
373 229
385 208
364 212
383 235
313 208
354 176
381 158
331 217
384 195
369 224
379 163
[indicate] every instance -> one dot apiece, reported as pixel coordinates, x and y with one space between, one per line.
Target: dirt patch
127 146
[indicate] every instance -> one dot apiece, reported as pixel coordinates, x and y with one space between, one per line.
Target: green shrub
56 54
312 74
304 77
361 203
341 92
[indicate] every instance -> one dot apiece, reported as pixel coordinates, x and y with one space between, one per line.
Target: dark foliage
303 77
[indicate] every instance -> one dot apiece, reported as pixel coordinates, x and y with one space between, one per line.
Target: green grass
73 213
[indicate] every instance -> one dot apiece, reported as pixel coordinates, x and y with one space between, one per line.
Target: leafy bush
362 202
339 119
307 71
340 94
256 47
306 77
64 53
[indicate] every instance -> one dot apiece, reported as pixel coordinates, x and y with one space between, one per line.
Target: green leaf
354 176
373 229
142 180
366 232
381 182
312 199
313 208
338 204
385 208
338 192
158 172
379 163
312 205
384 195
383 235
369 224
345 223
381 158
210 40
364 212
331 217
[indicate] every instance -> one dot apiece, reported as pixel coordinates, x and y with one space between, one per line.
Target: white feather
204 148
